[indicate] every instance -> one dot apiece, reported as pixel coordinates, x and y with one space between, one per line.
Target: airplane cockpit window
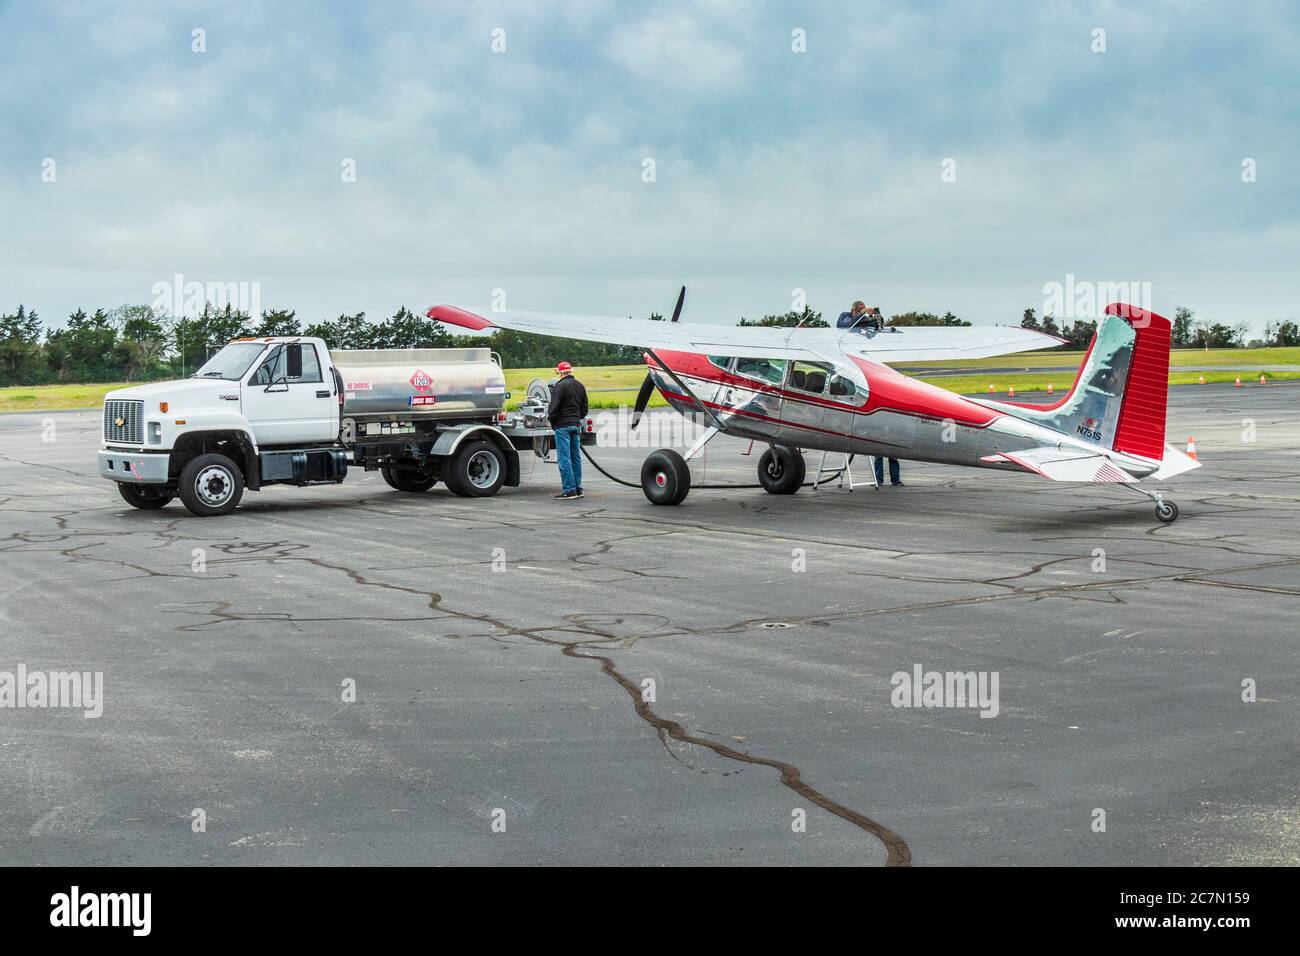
847 390
808 377
721 361
771 371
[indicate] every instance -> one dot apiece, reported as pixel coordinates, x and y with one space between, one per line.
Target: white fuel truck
287 410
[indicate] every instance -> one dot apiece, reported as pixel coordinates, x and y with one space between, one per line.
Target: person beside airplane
567 410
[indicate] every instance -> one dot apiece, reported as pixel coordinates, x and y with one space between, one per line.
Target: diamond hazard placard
421 381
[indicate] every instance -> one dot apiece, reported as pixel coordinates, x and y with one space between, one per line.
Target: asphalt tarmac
501 649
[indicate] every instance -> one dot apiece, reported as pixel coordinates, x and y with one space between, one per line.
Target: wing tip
456 316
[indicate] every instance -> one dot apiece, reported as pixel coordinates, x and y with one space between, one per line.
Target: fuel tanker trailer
288 411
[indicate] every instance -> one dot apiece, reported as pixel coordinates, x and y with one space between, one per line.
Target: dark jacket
867 319
568 403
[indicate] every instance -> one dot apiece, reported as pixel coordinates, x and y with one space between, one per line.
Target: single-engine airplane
830 390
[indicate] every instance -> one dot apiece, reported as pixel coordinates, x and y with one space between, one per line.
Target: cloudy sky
774 170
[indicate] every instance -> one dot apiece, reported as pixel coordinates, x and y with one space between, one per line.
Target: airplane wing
744 341
907 344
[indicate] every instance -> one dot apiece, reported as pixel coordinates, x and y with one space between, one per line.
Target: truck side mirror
295 361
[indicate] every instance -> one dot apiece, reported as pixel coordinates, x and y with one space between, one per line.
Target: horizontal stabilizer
1059 465
1174 463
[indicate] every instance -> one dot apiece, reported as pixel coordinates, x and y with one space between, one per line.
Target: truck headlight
155 433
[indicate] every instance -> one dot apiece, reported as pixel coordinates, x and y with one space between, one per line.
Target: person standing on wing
860 316
566 413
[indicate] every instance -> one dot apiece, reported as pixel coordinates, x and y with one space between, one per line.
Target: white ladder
844 471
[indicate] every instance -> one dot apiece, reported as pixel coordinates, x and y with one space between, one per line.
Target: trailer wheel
665 477
407 481
781 473
477 471
147 497
211 485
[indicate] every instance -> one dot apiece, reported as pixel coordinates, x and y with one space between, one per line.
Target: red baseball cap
564 367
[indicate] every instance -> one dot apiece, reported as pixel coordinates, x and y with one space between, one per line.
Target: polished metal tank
420 384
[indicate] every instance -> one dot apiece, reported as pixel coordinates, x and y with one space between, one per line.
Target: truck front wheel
147 497
211 485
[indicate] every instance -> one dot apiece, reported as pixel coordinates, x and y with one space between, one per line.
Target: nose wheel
1166 511
665 477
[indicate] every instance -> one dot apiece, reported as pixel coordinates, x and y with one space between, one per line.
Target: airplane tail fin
1118 398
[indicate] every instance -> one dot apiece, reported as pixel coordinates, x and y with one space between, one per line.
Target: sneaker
567 494
897 484
576 494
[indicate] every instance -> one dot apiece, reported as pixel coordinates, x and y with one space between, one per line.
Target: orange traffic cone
1201 380
1049 388
1238 385
1011 392
1263 380
1191 447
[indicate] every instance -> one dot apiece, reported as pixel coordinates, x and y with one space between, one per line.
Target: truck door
288 399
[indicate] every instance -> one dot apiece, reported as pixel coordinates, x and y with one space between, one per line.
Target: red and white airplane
831 390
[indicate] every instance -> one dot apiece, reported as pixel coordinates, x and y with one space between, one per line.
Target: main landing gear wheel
781 473
407 480
1166 511
665 477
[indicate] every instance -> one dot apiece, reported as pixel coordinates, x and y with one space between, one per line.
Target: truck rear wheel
407 480
147 497
211 485
478 470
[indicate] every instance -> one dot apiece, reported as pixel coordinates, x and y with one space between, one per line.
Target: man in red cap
566 414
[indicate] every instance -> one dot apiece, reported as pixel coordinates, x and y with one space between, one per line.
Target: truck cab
287 410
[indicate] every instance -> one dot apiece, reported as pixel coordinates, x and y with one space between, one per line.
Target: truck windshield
232 361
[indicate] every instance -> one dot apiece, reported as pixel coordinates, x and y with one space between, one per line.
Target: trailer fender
450 439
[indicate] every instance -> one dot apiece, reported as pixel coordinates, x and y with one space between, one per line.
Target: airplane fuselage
893 416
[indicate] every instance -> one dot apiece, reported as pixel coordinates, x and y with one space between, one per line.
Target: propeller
677 311
648 385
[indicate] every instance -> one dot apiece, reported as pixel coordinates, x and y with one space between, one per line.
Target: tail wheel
1166 511
407 480
781 470
146 497
211 485
477 471
665 477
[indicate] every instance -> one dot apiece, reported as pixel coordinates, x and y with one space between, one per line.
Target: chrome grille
132 415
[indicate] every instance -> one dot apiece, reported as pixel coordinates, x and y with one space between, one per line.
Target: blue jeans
894 476
568 451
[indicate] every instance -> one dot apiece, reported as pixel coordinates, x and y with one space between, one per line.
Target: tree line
1186 332
133 343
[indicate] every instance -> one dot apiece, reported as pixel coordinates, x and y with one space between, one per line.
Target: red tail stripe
1141 428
